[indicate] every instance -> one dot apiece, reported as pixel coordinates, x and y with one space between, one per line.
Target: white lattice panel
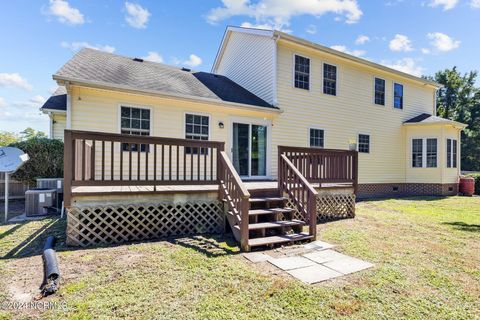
329 207
121 223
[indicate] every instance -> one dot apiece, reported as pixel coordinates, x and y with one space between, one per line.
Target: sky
38 36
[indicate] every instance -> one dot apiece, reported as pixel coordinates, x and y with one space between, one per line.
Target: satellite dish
11 159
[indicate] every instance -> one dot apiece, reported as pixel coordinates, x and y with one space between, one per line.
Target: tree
31 133
459 100
46 159
7 138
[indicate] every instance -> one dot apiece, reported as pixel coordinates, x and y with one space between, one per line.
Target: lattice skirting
330 207
121 223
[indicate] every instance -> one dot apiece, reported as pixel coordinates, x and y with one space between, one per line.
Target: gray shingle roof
58 100
419 118
101 67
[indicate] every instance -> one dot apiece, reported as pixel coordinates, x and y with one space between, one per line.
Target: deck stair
270 222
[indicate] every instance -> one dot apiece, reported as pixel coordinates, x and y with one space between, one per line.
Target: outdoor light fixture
220 124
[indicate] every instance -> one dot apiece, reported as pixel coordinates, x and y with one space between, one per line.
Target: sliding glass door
249 149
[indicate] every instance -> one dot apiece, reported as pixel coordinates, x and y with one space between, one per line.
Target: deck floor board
251 185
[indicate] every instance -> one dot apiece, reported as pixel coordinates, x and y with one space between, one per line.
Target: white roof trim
258 32
45 110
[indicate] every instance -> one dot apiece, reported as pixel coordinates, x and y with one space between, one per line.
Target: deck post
68 167
312 209
355 173
245 206
220 177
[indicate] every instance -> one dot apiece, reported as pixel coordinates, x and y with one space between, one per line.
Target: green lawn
426 253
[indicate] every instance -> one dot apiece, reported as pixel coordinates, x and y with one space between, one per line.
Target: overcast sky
38 36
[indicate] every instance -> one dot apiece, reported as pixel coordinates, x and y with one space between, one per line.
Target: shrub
476 176
46 159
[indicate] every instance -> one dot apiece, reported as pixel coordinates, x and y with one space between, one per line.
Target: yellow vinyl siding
59 125
349 113
440 174
343 117
98 110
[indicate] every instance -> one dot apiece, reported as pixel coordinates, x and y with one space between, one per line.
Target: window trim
369 142
309 74
324 136
451 153
129 105
184 121
424 152
336 80
184 126
136 106
385 92
425 142
393 95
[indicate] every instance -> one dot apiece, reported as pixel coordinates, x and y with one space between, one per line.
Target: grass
425 252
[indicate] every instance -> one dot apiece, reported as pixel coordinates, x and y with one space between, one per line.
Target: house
319 123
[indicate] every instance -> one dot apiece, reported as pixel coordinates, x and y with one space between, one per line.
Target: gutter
103 85
47 111
454 124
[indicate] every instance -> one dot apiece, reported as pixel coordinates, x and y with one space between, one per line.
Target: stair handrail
236 195
300 191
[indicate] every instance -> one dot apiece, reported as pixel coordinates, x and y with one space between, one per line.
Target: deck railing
233 191
324 165
108 159
299 190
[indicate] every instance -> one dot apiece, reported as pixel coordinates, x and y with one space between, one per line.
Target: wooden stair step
267 199
279 239
275 224
256 212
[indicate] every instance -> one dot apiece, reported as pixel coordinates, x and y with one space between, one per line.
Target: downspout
69 105
274 99
459 153
275 69
50 115
443 150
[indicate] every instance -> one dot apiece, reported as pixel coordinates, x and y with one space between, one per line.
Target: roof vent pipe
186 69
137 59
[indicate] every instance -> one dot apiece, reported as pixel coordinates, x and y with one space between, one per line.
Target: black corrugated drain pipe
51 273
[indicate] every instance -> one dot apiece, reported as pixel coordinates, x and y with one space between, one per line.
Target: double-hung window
329 79
424 153
317 138
364 143
397 96
135 121
302 72
379 91
451 153
196 128
431 153
417 153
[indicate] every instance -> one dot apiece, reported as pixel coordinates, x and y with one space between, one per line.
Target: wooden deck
112 176
251 186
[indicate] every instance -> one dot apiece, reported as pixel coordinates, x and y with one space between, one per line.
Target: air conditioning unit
38 201
52 183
